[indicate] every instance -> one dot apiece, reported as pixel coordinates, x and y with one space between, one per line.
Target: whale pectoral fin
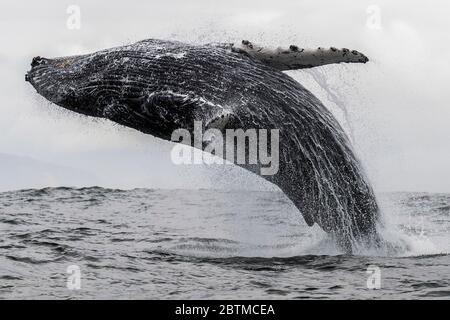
293 58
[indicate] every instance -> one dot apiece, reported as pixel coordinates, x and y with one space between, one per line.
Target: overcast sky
398 110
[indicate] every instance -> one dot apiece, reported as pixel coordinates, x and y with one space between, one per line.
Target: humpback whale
157 86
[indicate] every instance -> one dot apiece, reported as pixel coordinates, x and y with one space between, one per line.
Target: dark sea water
210 244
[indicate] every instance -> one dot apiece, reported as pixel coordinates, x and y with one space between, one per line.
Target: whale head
109 84
63 81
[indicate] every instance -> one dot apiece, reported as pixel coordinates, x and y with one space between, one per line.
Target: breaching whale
157 86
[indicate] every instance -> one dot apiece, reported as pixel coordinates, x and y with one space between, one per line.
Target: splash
334 95
401 234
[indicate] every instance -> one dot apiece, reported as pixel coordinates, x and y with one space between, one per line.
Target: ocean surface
211 244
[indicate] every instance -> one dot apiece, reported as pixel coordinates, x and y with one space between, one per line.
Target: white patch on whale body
178 55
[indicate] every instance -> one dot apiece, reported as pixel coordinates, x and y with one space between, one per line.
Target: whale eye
220 121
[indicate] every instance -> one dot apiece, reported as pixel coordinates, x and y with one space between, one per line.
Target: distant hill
18 172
